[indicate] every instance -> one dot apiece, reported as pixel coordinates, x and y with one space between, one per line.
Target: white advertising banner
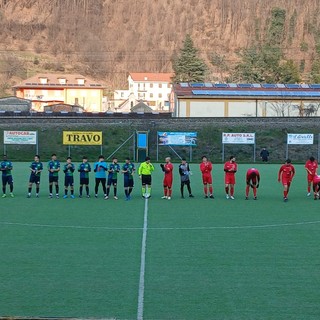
238 138
20 137
300 138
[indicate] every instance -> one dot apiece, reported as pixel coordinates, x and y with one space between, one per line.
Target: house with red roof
152 88
70 89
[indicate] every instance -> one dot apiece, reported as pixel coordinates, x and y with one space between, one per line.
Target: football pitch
191 258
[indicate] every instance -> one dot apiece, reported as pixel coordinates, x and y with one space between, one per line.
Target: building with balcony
51 89
151 88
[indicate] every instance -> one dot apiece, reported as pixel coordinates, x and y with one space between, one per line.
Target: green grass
205 259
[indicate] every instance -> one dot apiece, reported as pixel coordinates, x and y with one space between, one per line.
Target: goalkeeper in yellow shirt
145 170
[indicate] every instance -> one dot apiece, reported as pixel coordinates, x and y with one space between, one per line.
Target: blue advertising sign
142 140
166 138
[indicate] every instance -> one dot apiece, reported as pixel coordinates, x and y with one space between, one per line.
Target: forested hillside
106 39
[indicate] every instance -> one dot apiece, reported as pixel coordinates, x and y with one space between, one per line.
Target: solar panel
208 84
304 86
315 86
245 85
220 85
197 85
293 86
256 85
233 85
184 84
257 93
280 85
268 86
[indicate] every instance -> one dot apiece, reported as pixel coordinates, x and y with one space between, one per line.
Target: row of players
102 169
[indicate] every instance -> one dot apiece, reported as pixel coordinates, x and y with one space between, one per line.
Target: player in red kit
230 169
286 174
252 180
316 186
311 167
206 168
167 168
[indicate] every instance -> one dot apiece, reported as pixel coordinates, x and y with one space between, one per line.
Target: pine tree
188 67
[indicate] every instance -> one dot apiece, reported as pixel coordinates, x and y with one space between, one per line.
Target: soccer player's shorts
127 183
310 177
7 180
146 179
68 181
253 181
167 182
112 182
286 182
53 179
84 181
230 179
207 179
34 179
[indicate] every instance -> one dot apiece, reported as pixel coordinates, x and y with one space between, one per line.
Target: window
151 95
80 81
43 80
62 80
160 95
160 85
151 85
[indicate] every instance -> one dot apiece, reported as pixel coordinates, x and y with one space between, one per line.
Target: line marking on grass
143 262
53 226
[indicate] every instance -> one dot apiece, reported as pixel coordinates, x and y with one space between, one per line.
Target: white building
152 88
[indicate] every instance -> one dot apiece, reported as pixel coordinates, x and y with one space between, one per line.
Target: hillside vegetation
108 38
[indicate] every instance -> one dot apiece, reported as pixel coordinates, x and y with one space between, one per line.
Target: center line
143 262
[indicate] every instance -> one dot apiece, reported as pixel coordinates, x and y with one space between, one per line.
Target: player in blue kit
35 167
53 168
114 169
68 170
100 168
128 169
84 169
6 167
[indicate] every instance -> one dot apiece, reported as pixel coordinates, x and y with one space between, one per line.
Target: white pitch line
53 226
143 263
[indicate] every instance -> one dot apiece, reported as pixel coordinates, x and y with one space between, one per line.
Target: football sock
211 190
115 191
165 192
309 188
169 192
130 190
87 190
143 190
227 190
247 191
11 188
37 190
50 188
72 191
189 188
231 191
108 191
4 190
149 189
126 192
285 194
181 190
29 190
205 190
57 189
254 191
65 191
80 190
